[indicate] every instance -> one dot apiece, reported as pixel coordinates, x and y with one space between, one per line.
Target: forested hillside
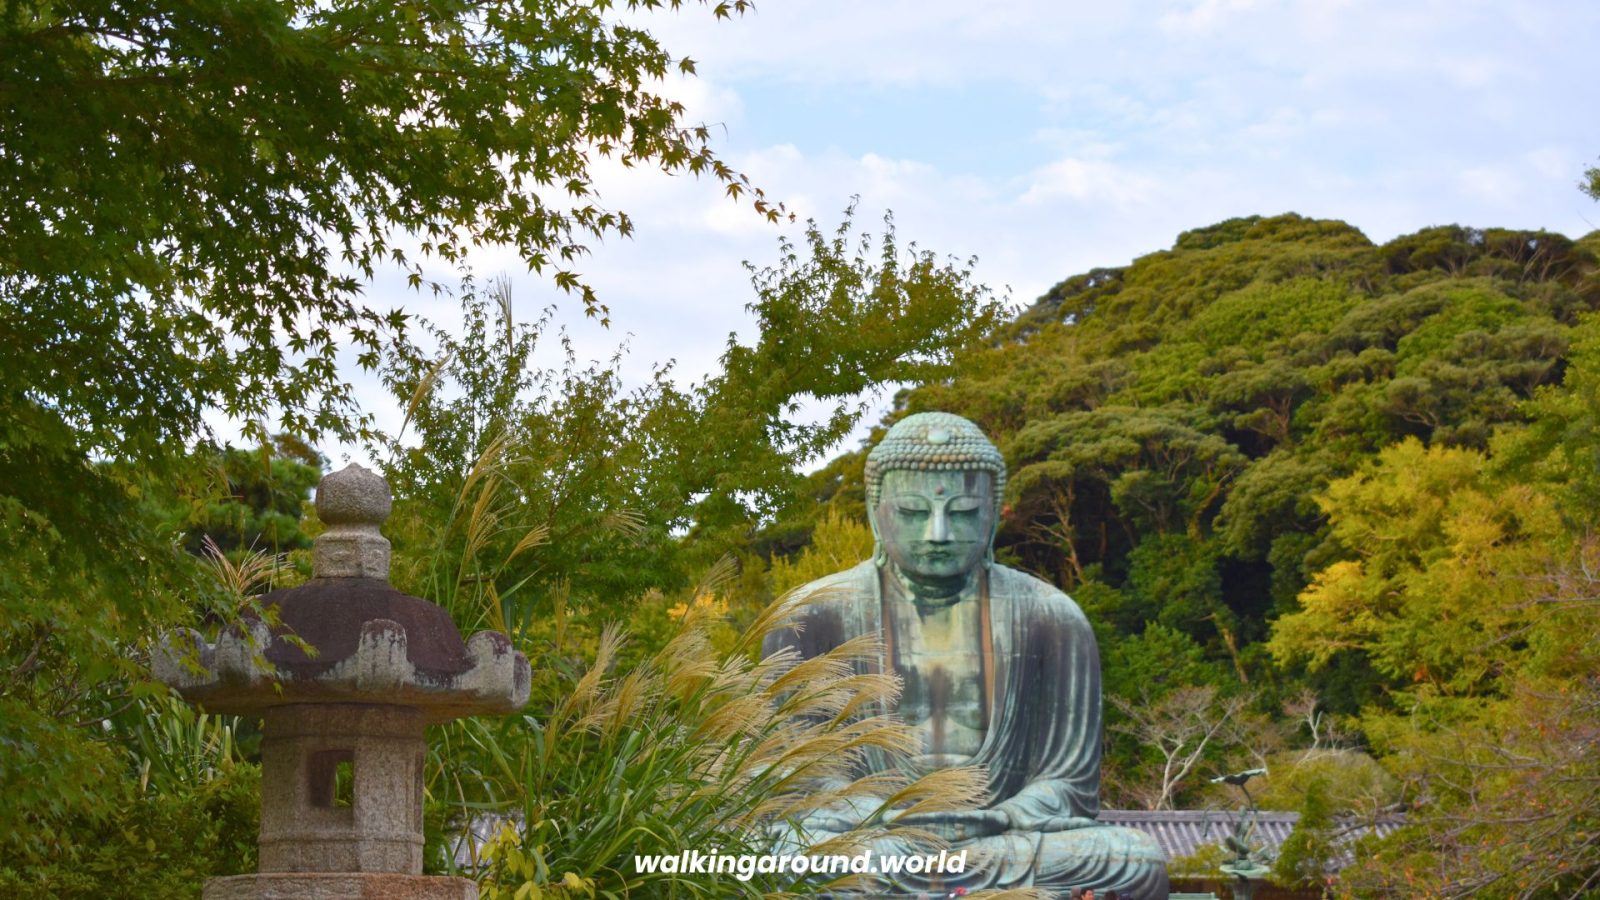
1322 499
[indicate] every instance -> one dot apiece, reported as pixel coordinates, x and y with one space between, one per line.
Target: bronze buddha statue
1000 671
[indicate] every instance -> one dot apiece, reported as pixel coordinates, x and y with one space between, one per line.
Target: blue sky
1047 138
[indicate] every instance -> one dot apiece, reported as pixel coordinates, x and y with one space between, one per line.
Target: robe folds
1041 745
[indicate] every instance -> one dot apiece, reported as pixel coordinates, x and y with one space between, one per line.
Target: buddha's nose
938 528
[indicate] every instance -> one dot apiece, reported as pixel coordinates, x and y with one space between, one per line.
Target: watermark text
746 866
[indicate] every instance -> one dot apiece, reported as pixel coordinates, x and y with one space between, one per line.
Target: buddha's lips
940 553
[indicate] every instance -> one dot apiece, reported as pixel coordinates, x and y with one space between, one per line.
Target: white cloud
1496 185
1204 15
1087 181
1554 162
1122 125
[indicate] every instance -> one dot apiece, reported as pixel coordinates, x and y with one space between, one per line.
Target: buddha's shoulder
1020 587
841 587
830 609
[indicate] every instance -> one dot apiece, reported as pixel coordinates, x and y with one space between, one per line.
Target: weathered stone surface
353 503
339 886
303 826
327 614
354 495
236 674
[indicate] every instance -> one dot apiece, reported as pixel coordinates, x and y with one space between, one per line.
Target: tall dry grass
692 749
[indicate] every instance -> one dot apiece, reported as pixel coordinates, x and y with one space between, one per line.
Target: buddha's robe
1040 680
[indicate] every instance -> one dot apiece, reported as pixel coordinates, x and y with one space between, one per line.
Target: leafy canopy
191 196
1290 458
524 487
189 192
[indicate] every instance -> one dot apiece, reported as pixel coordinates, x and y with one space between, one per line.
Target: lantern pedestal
338 886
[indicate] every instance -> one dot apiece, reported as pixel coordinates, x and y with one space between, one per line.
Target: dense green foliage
529 492
155 845
1284 468
186 807
191 197
1170 425
257 504
191 191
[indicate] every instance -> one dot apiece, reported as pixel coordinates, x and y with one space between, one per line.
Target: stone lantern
351 714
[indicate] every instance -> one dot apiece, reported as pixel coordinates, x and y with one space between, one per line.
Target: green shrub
155 844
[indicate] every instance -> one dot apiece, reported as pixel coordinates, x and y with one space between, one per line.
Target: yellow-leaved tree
1469 583
1429 593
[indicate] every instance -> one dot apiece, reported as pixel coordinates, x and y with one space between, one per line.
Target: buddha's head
934 485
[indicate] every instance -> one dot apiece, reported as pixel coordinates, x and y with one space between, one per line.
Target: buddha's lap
1072 855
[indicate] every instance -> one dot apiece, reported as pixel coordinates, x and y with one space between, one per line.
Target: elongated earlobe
880 556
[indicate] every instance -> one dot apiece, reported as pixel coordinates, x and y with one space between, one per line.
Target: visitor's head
934 485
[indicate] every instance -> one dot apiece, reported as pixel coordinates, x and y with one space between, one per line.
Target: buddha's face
935 526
